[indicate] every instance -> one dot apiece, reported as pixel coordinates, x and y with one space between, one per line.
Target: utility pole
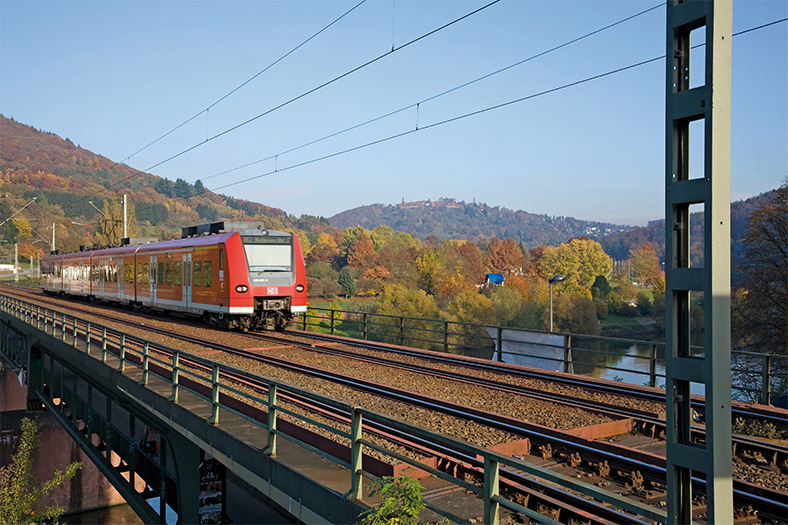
53 236
16 263
125 228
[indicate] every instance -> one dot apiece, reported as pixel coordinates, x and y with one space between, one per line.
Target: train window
128 272
168 275
161 273
176 273
197 273
221 259
142 273
207 275
268 254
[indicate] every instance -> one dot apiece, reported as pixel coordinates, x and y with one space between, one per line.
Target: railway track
582 454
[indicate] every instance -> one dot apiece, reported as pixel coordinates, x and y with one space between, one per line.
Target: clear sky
114 76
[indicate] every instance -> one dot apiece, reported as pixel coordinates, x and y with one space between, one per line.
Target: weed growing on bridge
20 491
401 502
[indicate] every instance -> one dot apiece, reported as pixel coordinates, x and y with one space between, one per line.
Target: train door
101 278
120 278
81 277
187 279
153 278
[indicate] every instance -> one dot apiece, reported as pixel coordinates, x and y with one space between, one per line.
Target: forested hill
619 245
447 219
64 178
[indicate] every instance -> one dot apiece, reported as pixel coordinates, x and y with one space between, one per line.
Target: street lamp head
558 278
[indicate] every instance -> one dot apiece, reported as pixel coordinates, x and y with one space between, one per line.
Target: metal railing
142 354
755 377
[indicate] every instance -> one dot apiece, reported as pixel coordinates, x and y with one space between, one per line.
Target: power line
245 83
309 92
478 112
461 86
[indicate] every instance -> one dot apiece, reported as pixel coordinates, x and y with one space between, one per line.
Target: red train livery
244 280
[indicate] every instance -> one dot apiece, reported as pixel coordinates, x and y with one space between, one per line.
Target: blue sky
115 75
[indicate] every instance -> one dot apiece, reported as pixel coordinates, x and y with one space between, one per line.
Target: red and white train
244 280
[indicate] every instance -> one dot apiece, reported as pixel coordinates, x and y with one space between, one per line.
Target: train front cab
276 279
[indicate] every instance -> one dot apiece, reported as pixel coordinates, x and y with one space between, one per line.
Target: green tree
600 288
468 307
347 281
8 231
645 303
399 300
21 492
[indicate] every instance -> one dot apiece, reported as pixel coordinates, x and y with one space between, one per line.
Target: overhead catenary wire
478 112
446 92
309 92
269 66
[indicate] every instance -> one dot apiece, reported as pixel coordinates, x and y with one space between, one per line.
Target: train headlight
300 288
241 288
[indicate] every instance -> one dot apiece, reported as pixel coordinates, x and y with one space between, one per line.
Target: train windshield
268 254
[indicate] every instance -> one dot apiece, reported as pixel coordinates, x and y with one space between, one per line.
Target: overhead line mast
710 102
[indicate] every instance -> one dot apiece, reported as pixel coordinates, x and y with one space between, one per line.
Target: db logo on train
273 290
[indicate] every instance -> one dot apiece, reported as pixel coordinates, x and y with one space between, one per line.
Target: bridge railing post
63 328
38 318
74 337
491 477
652 381
87 337
569 367
356 455
766 379
333 320
144 381
364 326
103 344
122 354
500 344
214 419
270 449
175 373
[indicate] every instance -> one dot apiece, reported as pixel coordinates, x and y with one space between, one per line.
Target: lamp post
558 278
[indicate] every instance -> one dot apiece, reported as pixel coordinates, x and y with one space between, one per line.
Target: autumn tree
360 251
23 228
460 269
759 318
504 257
579 260
30 252
645 264
325 250
574 314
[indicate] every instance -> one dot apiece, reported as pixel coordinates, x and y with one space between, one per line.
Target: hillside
448 219
64 178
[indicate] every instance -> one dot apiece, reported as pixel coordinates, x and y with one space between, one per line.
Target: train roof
175 244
